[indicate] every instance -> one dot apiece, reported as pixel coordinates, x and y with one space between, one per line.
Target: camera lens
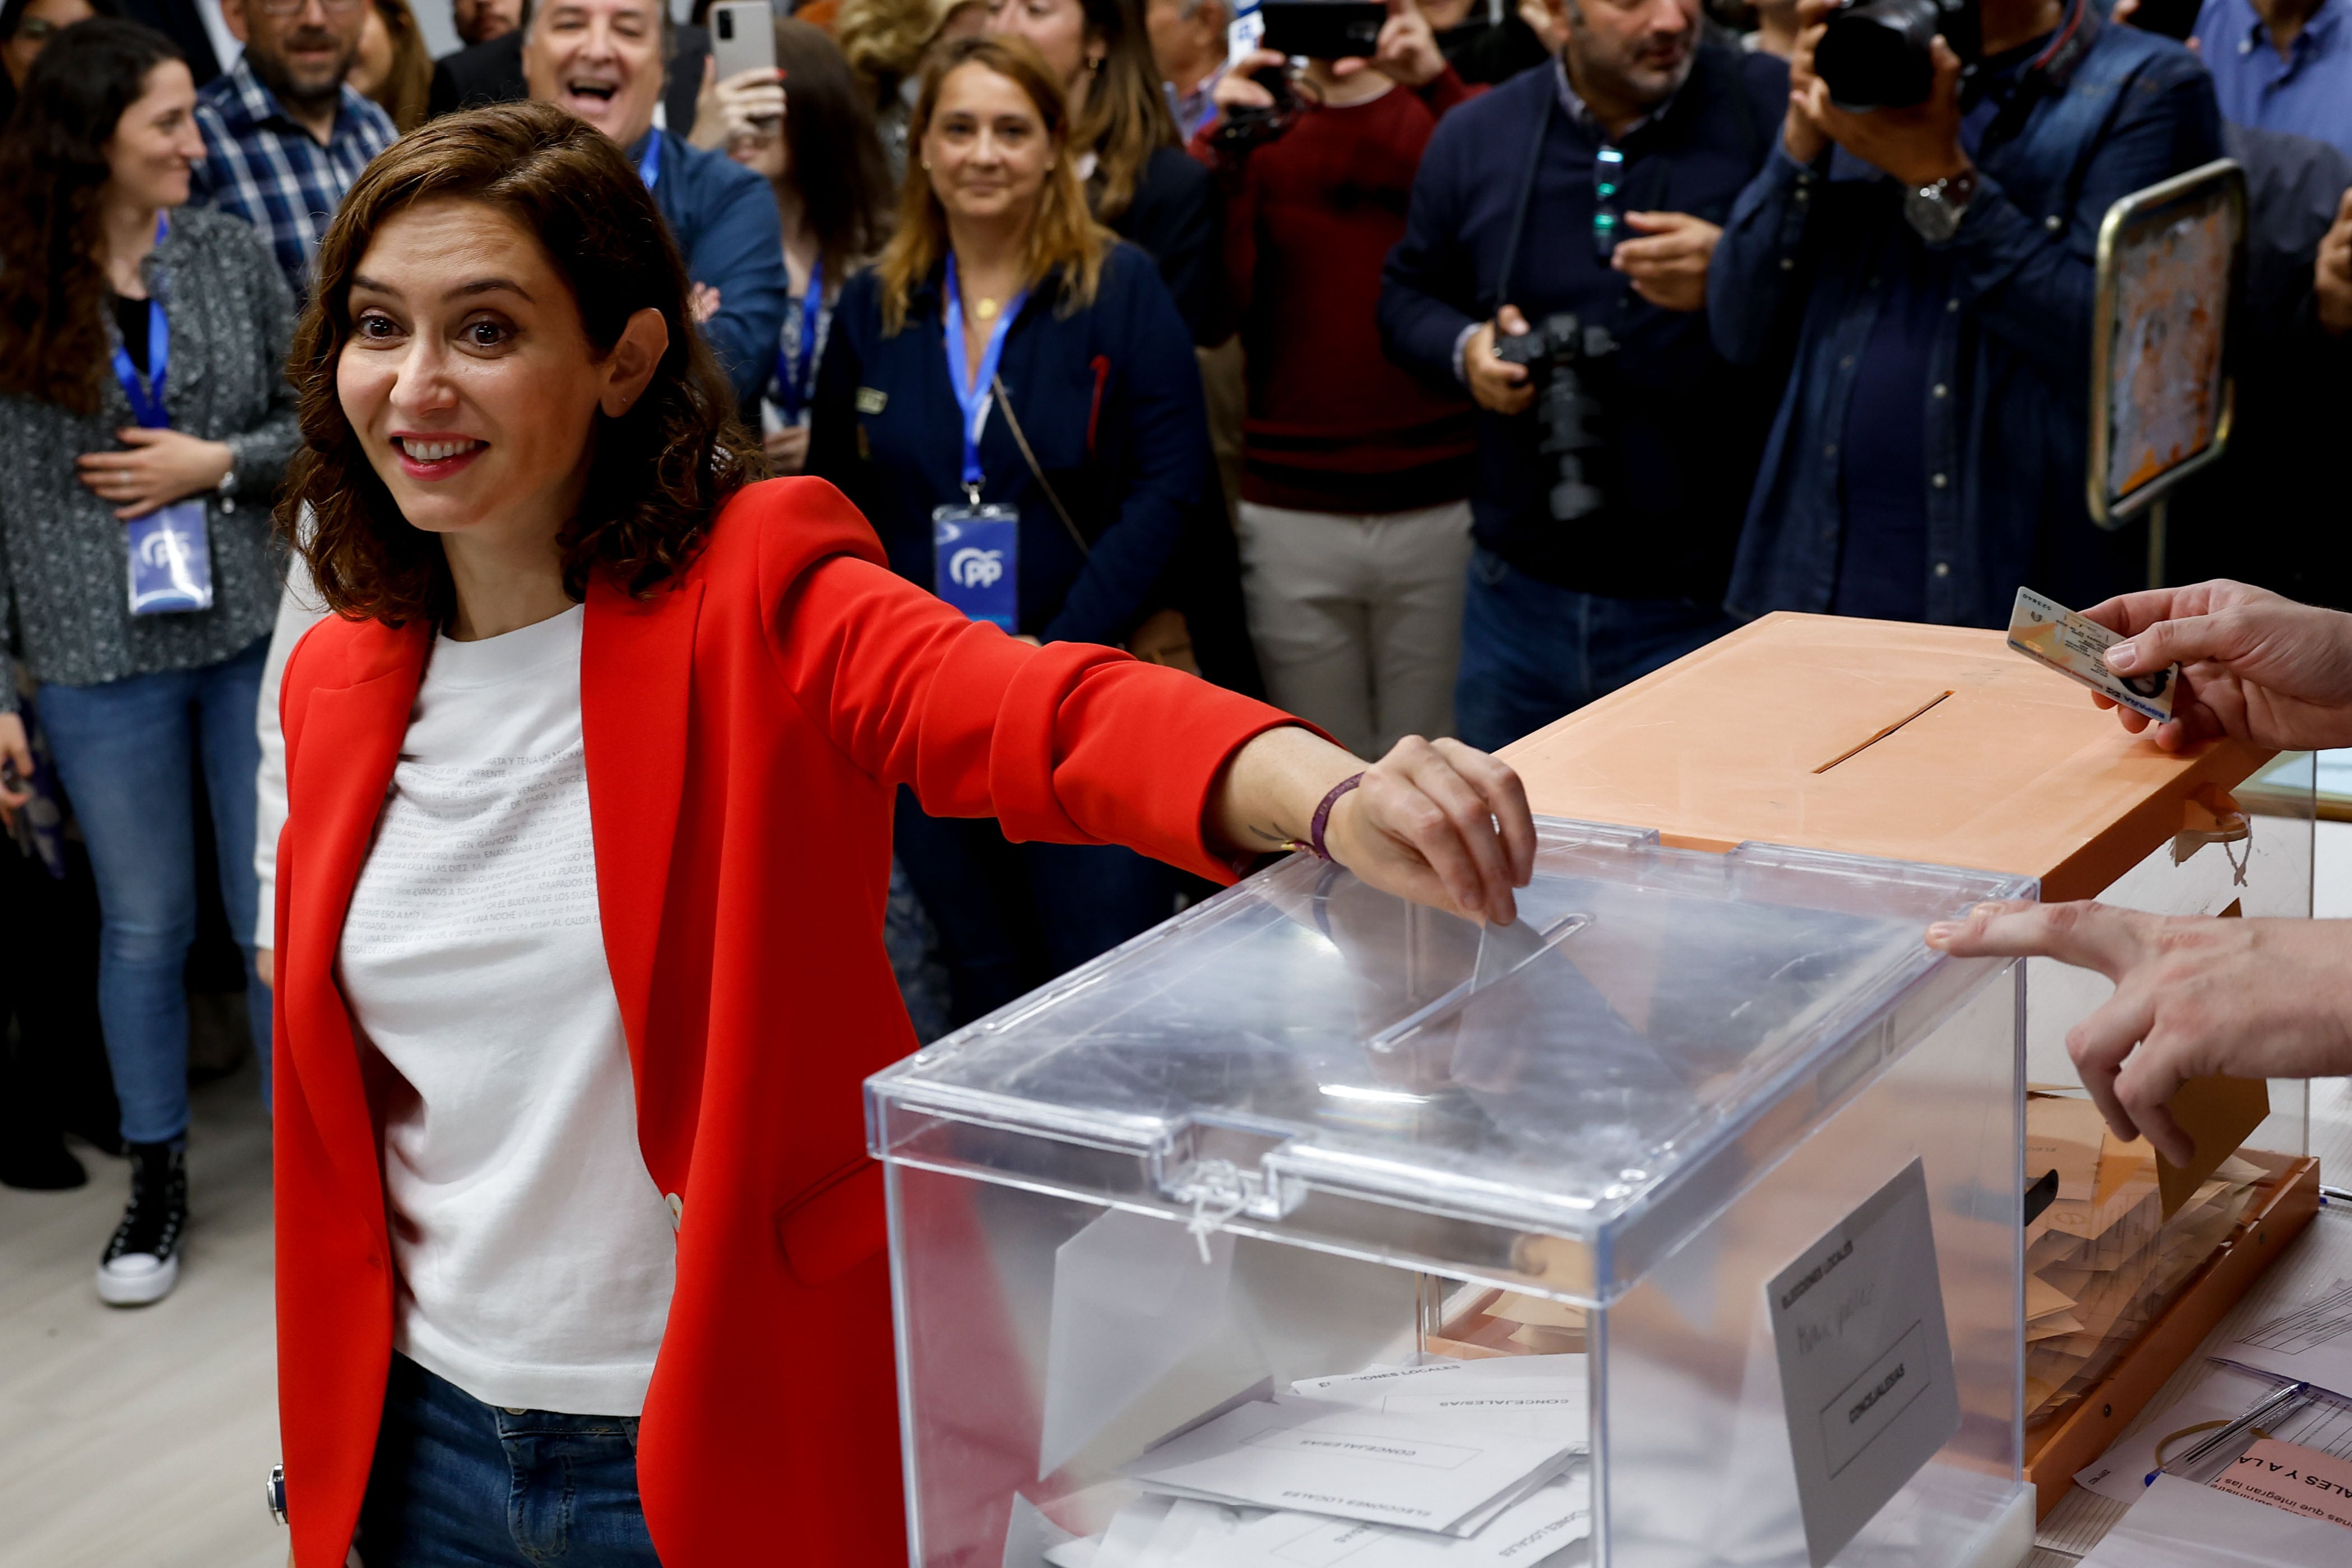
1878 54
727 26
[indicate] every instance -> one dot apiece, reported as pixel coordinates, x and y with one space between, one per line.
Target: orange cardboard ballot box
1941 745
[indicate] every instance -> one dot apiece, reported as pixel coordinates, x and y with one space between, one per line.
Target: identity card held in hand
2044 630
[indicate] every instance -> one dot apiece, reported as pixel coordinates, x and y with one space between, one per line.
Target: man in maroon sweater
1355 526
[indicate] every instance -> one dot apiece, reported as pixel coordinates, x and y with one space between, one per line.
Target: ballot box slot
1857 749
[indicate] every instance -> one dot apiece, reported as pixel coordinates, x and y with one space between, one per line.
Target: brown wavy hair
1127 117
1064 238
53 286
660 470
407 86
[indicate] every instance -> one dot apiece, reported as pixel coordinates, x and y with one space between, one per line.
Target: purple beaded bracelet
1314 843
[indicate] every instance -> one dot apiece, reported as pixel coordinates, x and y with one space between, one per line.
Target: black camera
1556 353
1242 130
1875 54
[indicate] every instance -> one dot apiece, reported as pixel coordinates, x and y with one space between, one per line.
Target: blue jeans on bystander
460 1484
1532 652
126 752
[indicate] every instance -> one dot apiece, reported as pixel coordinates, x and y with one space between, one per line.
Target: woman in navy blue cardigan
997 265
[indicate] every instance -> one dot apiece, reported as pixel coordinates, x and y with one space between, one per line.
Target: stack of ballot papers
1453 1465
2102 1261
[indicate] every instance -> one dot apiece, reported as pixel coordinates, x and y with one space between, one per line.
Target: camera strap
1527 198
2039 79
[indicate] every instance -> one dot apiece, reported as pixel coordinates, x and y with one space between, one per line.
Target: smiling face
469 379
986 147
601 59
148 156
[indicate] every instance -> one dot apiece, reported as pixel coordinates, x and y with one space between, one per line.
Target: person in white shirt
580 956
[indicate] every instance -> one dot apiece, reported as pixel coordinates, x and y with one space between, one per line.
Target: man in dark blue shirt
601 59
1636 130
1929 455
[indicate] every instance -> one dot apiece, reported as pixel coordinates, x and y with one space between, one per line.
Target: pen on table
2269 1404
2334 1194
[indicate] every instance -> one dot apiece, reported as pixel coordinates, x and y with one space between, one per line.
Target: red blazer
745 727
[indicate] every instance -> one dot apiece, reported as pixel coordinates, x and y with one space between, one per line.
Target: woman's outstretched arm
1433 821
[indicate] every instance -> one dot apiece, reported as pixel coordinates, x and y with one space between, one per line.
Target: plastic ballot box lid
1918 743
1560 1102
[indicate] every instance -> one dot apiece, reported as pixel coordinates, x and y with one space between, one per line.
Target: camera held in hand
1876 54
1555 355
1242 130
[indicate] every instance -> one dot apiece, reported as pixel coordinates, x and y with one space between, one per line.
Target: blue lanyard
972 395
147 395
649 161
796 367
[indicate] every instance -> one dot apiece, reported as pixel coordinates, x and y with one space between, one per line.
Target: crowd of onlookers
1439 389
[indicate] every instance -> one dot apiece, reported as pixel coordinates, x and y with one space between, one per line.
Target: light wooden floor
139 1438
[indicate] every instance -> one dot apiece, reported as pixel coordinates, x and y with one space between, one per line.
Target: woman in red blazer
589 782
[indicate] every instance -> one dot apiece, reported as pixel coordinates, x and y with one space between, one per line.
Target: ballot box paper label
1865 1361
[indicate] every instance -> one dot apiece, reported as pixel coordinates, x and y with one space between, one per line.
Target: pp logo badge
976 562
974 568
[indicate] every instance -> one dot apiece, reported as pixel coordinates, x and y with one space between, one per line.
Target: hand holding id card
2047 632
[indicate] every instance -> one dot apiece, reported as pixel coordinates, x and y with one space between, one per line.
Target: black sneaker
142 1262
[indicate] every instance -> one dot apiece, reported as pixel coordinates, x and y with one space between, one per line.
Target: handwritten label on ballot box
1865 1361
171 559
976 562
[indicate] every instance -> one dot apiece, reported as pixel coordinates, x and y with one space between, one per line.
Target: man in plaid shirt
284 136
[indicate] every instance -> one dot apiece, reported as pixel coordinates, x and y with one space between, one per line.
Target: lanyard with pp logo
976 546
170 550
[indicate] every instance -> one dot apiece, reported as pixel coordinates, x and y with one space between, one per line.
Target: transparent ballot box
1678 1223
2125 1236
1940 744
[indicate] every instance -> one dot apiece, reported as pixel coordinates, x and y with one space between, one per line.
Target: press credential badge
1865 1361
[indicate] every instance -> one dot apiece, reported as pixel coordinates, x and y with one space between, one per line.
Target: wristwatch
1935 211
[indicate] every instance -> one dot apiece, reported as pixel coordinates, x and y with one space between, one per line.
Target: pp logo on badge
976 562
971 568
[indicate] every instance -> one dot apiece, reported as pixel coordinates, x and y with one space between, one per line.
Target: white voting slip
1534 1395
1427 1472
2179 1524
1160 1532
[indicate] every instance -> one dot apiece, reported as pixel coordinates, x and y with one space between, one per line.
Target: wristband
1314 841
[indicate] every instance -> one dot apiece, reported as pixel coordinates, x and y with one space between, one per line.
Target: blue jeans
460 1484
126 751
1532 652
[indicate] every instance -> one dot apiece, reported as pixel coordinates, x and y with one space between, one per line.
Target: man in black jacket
1596 186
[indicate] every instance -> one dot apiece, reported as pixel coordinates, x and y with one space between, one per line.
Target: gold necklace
984 309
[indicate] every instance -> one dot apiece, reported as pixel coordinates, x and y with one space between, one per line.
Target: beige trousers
1357 617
